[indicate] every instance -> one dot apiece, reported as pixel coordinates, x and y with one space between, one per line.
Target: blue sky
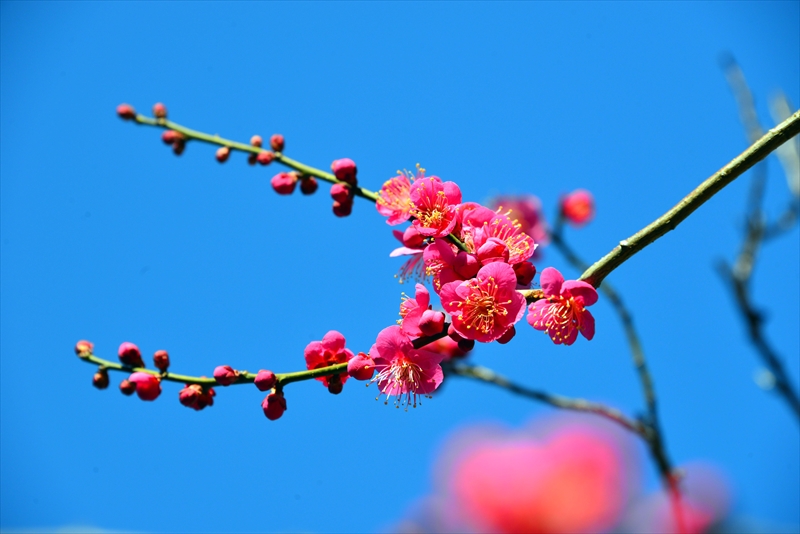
105 235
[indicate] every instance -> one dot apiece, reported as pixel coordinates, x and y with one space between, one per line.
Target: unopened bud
340 193
148 387
578 207
432 322
342 209
256 141
84 348
171 136
455 336
252 159
525 272
160 111
189 394
361 367
127 387
274 405
178 147
507 335
284 183
308 185
100 379
335 385
412 238
276 142
345 170
126 112
161 360
225 375
265 380
222 154
206 398
466 344
129 354
265 157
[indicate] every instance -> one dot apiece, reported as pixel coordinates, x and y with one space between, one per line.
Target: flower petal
587 325
581 289
551 280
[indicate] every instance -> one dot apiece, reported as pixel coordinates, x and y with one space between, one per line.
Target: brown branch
672 218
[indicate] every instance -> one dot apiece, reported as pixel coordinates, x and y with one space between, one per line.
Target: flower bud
345 170
265 157
431 323
578 207
178 147
252 159
493 250
129 354
148 387
276 142
127 387
171 136
160 111
466 265
525 272
466 345
308 185
206 398
284 183
161 360
342 209
100 378
225 375
335 385
361 367
412 238
189 394
265 380
340 193
455 336
126 112
222 154
84 348
274 405
256 141
507 336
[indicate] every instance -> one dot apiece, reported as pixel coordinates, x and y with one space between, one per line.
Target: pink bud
265 380
276 142
206 398
345 170
100 379
178 147
493 250
431 323
525 272
412 238
466 265
189 394
160 111
126 112
340 193
335 385
578 207
222 154
342 209
256 141
265 157
308 185
466 345
361 367
129 354
127 387
84 348
252 159
225 375
171 136
161 360
148 387
274 405
284 183
455 336
507 336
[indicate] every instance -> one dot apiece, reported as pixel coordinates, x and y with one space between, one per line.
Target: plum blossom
148 387
485 307
394 200
562 314
327 352
413 245
435 206
403 371
525 210
578 207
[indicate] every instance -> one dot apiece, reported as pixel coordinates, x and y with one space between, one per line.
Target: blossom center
480 307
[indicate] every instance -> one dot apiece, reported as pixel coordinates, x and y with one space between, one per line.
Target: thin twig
672 218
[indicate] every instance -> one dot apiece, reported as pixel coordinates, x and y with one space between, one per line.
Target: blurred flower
578 207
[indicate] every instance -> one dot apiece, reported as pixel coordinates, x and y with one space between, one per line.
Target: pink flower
403 371
578 207
413 245
327 352
525 210
411 311
148 387
435 206
447 264
479 230
394 200
486 306
563 313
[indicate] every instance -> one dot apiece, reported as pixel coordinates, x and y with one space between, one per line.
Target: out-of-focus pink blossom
84 348
126 112
403 371
578 207
435 206
330 351
394 200
485 307
562 314
447 347
525 210
160 111
100 378
265 157
148 387
277 142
